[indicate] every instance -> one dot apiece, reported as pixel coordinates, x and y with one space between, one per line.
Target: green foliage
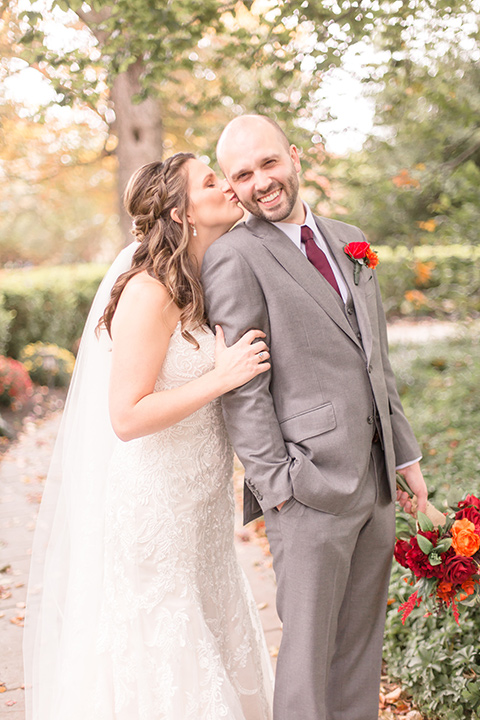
417 179
219 58
434 281
437 660
49 304
48 364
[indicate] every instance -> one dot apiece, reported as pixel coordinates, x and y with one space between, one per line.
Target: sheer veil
67 558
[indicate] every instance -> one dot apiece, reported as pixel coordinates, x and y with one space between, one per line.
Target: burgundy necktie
317 257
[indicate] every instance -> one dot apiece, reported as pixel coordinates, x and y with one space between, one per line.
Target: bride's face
213 207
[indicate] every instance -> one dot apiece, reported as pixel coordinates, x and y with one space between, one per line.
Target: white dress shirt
293 231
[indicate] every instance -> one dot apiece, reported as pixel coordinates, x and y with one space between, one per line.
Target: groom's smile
270 198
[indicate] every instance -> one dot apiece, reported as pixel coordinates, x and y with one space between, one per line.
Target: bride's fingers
252 335
263 355
259 347
263 367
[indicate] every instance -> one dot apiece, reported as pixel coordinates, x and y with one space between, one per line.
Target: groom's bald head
247 126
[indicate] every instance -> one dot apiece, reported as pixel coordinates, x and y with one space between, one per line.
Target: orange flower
465 540
444 590
404 179
468 588
372 258
416 297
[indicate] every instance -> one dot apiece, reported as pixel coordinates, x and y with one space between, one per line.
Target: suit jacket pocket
308 424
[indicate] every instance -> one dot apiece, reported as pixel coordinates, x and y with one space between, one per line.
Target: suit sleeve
234 300
405 444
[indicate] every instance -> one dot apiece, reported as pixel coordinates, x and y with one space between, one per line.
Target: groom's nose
263 180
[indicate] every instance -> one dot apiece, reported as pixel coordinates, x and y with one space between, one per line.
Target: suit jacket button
370 420
349 310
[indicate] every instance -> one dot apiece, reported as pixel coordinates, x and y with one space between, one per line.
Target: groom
321 434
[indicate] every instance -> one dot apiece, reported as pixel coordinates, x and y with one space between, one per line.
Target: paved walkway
22 474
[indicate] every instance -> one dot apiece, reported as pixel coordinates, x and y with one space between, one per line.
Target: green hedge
51 304
46 304
433 657
438 281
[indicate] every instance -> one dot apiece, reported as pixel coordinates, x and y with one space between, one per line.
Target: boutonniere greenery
360 253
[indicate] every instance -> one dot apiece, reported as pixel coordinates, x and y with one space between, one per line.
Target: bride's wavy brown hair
151 194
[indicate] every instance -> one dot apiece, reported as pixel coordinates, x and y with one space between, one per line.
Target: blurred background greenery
89 91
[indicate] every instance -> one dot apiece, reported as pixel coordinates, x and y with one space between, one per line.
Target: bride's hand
241 362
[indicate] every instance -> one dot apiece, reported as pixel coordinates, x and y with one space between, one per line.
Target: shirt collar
293 231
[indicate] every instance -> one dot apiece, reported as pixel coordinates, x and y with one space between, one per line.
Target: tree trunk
139 131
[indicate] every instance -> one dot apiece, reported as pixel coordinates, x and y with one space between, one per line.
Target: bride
137 608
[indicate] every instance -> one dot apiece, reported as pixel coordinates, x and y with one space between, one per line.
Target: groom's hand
279 507
416 483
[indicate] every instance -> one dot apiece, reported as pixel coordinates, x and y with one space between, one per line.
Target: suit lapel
336 245
302 271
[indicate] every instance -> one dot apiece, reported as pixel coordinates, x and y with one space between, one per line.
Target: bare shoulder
145 299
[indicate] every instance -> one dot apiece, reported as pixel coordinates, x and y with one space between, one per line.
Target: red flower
470 501
458 569
470 513
360 253
400 552
357 250
409 605
417 560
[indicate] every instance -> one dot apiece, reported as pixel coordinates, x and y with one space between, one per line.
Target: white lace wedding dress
179 634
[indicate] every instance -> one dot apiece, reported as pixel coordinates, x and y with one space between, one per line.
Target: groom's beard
282 211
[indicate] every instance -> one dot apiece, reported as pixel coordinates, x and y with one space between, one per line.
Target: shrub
15 383
436 659
49 304
48 364
6 318
439 281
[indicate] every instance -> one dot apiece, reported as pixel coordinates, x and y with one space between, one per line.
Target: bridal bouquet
443 555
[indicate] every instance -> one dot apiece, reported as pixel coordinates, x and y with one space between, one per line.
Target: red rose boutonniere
360 253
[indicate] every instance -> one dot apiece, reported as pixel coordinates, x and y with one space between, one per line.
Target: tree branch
456 162
94 18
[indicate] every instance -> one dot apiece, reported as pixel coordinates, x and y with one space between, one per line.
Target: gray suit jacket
305 428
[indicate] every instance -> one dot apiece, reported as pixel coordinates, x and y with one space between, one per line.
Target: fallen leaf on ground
21 605
4 593
11 702
393 696
262 606
273 650
18 620
2 688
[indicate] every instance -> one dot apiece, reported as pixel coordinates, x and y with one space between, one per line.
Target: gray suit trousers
332 575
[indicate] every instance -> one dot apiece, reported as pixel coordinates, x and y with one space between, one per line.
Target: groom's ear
175 216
